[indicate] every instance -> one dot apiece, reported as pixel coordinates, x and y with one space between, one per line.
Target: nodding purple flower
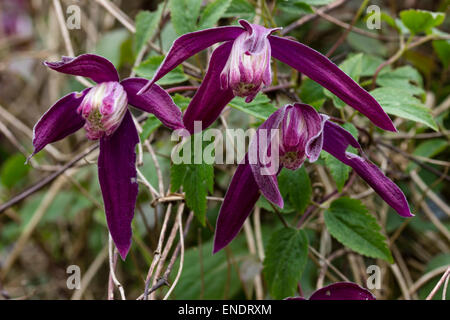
339 291
103 111
241 67
303 133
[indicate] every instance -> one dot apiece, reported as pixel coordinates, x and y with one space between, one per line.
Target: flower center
291 160
103 108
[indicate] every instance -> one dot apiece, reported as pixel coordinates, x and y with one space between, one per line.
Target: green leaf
370 64
421 20
260 107
296 185
285 260
184 15
196 177
312 93
240 9
428 149
352 66
401 78
340 171
109 45
350 223
150 125
442 47
181 101
146 24
209 276
401 103
212 13
13 170
297 7
148 68
438 261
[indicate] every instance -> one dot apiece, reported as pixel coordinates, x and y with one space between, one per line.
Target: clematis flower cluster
303 134
240 66
103 111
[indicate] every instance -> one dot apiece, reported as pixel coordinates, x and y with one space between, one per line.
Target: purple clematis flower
103 111
339 291
303 133
241 66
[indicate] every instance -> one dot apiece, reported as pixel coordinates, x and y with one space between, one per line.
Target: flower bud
103 108
248 66
301 135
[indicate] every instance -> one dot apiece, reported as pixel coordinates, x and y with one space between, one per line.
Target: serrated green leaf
401 78
197 180
401 103
296 185
370 64
349 222
146 25
184 15
285 260
421 20
212 13
240 9
260 107
13 170
148 68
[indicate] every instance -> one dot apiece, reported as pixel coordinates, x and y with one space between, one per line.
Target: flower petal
336 141
210 99
117 176
240 199
155 101
342 291
265 165
320 69
189 44
59 121
87 65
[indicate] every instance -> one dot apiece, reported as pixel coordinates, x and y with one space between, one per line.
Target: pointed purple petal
155 101
87 65
59 121
265 172
240 199
336 141
117 176
320 69
342 291
210 98
189 44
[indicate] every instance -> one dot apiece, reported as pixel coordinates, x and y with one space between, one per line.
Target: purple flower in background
15 19
103 111
241 66
339 291
303 133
